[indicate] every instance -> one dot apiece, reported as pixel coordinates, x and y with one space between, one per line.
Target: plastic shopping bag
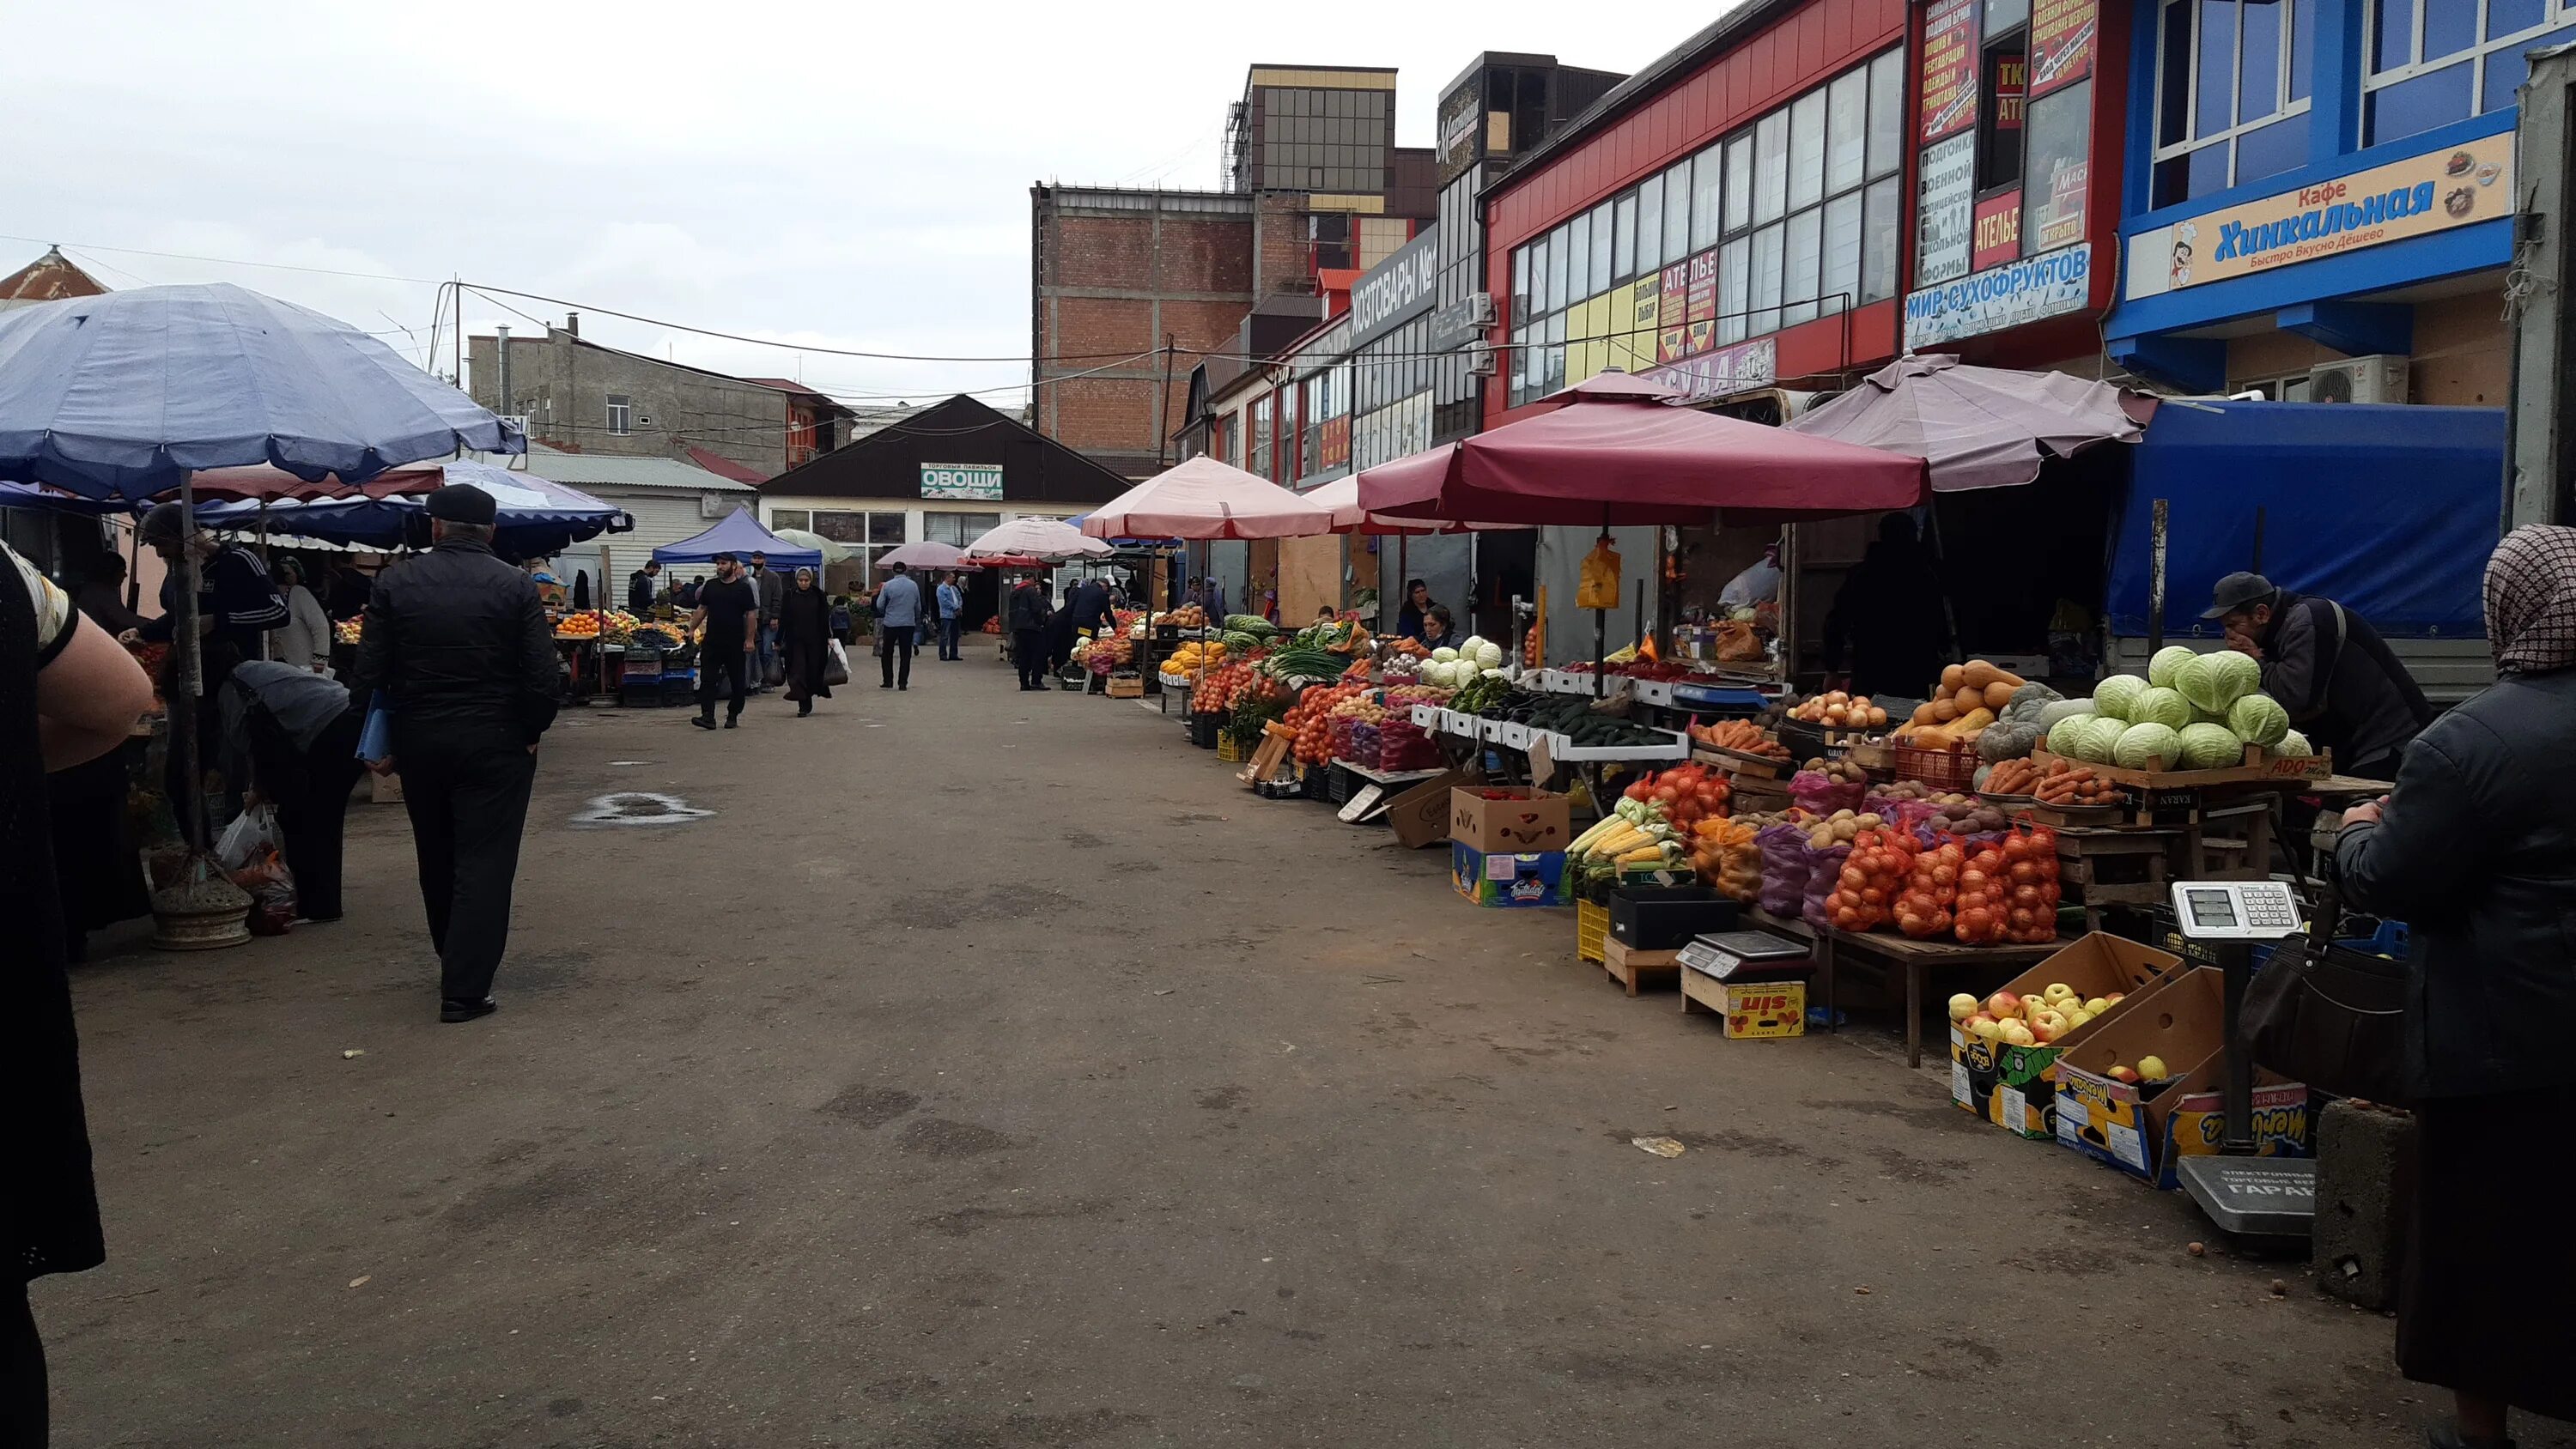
252 831
376 737
836 663
1597 585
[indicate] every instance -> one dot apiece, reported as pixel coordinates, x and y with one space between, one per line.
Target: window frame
620 414
2559 14
2286 64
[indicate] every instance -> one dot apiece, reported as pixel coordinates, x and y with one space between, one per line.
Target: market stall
131 394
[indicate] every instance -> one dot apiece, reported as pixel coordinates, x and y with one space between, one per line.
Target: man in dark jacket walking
2338 679
1029 613
458 640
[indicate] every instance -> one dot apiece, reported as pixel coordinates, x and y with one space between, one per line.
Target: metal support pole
192 676
2156 579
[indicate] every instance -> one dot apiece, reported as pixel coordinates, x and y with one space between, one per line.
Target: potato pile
1838 710
1840 828
1841 772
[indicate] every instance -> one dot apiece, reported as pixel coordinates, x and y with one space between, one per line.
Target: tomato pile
1981 895
1686 795
2030 901
1312 718
1873 880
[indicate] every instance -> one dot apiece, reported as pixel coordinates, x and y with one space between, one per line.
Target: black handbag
2330 1016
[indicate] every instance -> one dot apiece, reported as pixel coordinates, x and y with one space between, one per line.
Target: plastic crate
1591 929
1227 751
1940 769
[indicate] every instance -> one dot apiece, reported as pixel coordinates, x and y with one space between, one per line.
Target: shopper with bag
294 735
459 642
805 642
2476 852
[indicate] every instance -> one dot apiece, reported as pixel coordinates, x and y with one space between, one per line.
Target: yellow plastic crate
1228 751
1591 930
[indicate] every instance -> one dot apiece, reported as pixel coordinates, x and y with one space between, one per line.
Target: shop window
1599 276
1650 224
1739 175
2056 186
1578 262
1771 166
791 518
2433 62
2231 76
1879 240
1623 238
1677 205
958 529
1707 221
1259 467
2001 112
1734 289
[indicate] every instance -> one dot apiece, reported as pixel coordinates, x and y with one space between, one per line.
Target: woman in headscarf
2476 851
804 635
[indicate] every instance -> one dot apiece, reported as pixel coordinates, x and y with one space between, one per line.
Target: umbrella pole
1600 626
192 676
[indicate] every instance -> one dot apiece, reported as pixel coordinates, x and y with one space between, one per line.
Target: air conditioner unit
1483 361
2378 378
1480 309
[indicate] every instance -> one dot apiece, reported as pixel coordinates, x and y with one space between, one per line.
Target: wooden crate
1632 969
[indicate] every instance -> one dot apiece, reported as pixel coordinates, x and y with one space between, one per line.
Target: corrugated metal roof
585 470
722 466
49 278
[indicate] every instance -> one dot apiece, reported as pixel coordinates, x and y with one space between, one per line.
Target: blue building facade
2308 181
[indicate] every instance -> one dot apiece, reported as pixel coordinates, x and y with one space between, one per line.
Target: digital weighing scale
2243 1193
1723 955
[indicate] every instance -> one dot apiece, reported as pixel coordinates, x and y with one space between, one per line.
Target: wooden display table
1916 959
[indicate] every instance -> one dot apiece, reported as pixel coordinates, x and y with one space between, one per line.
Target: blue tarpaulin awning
2388 510
741 535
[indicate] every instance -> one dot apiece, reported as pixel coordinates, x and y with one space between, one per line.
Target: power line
226 261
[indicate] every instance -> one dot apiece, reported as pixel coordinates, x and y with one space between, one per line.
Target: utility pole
2543 387
1162 400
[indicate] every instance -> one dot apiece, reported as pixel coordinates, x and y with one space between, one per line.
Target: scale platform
2264 1197
1754 955
2270 1197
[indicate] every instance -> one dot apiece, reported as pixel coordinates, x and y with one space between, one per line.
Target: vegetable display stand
1915 960
1591 930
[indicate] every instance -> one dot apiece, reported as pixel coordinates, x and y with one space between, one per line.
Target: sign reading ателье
2457 186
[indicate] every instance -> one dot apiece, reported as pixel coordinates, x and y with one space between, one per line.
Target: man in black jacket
1089 605
2323 663
459 641
640 587
1029 613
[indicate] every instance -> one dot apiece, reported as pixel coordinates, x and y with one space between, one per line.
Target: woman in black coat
2476 852
804 639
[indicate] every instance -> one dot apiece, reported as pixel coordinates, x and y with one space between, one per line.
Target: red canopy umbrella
1617 455
262 483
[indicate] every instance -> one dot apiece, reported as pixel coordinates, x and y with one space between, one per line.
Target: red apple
2122 1074
2048 1026
2003 1004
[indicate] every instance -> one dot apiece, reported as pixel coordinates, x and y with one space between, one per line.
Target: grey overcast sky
827 174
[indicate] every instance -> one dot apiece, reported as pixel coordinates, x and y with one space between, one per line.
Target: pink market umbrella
1978 427
1036 538
1614 456
1206 499
927 553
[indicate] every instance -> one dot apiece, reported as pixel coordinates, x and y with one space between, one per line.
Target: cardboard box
1527 820
2015 1087
1748 1010
1420 815
1527 878
2143 1129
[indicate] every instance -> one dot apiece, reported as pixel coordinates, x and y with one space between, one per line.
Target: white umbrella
1043 538
832 551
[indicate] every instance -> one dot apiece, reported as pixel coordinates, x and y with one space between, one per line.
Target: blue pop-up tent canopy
741 535
533 516
2389 510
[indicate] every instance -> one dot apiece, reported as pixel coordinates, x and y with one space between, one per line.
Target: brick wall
1117 272
563 387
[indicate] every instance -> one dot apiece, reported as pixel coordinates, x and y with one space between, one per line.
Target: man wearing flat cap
2340 682
458 641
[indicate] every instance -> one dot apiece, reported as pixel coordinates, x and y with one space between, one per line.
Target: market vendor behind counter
2341 684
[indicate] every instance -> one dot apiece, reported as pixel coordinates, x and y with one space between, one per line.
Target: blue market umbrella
535 517
122 394
127 394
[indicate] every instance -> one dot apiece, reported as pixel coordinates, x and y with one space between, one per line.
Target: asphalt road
988 1071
